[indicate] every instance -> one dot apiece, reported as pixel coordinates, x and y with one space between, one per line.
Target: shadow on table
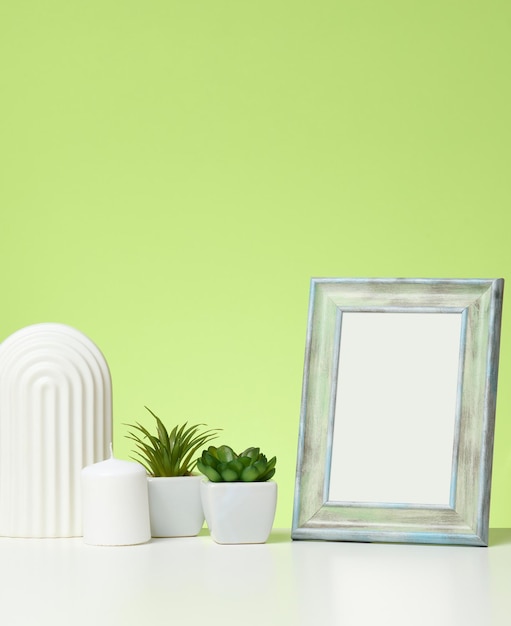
279 535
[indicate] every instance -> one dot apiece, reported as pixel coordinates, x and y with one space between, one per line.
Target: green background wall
173 173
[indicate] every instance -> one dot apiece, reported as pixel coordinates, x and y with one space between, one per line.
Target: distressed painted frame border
465 520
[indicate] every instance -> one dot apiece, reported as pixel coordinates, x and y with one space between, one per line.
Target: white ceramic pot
175 506
239 512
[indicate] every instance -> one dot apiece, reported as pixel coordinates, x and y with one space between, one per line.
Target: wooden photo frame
398 410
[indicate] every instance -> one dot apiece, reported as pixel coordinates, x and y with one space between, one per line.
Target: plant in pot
238 497
175 505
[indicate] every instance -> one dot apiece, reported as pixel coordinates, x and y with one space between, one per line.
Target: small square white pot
175 506
239 512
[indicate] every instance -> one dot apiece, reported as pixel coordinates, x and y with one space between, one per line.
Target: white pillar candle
115 504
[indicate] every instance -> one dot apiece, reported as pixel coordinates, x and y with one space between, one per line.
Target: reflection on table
196 581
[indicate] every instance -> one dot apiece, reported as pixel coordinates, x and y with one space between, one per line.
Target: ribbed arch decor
55 418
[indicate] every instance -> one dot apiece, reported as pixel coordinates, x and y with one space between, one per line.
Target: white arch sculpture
55 418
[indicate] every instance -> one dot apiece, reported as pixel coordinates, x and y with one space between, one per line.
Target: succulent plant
169 454
222 464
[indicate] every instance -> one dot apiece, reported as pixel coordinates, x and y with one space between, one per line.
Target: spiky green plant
169 454
222 464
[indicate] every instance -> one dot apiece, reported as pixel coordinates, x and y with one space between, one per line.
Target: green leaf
236 466
229 475
209 459
213 451
249 474
266 476
252 453
269 471
209 472
225 454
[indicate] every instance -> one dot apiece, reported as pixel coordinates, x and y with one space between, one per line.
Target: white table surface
194 581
